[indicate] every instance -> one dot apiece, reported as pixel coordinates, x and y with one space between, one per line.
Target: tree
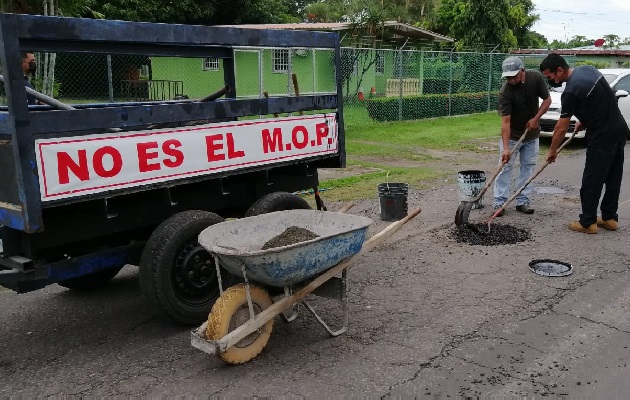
61 7
480 25
611 41
534 40
575 41
45 76
521 18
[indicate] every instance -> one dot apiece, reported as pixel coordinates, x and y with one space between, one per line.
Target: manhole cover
551 267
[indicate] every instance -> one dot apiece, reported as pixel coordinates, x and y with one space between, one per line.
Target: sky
563 19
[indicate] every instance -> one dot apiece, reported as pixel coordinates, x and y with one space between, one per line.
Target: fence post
450 83
110 82
261 86
490 76
400 83
313 55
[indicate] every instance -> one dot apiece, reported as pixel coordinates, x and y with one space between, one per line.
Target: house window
210 64
379 66
280 60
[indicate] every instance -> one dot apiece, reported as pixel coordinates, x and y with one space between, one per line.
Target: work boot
609 224
576 226
524 208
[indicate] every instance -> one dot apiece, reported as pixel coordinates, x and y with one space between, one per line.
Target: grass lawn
408 151
398 150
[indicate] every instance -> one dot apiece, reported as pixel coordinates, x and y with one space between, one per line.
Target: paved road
430 317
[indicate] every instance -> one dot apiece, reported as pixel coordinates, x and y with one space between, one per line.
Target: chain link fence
378 85
395 85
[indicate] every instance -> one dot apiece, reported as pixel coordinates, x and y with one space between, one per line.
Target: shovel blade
463 211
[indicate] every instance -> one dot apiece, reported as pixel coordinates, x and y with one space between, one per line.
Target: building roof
580 51
392 30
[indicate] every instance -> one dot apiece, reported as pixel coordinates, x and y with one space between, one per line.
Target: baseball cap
511 66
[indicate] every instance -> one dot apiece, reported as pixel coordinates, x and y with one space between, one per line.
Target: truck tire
277 201
177 275
91 281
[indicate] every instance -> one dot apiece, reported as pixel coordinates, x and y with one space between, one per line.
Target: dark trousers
604 166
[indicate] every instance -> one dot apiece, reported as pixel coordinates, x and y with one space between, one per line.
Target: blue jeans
527 155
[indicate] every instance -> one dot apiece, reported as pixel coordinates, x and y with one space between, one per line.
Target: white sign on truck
80 165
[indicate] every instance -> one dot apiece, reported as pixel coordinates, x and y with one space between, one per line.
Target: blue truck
89 188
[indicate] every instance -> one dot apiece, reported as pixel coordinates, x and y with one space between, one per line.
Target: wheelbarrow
241 320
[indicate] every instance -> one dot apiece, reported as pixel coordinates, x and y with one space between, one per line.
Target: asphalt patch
475 234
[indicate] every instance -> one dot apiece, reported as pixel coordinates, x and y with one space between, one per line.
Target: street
429 317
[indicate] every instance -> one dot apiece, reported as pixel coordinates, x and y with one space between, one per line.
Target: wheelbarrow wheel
231 311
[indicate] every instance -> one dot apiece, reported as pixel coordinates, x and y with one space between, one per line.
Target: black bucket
393 197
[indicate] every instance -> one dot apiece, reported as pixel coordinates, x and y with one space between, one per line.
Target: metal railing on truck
64 212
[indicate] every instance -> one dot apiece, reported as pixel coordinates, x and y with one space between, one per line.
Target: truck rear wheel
177 275
277 201
91 281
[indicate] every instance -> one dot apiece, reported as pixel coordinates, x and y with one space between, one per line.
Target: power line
578 12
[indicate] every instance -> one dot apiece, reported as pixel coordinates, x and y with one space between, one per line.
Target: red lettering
321 130
272 144
230 148
169 148
144 155
299 130
97 161
214 144
65 163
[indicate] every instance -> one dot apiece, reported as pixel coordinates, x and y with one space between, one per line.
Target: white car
619 80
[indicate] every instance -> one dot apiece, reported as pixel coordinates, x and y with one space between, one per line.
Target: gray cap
511 66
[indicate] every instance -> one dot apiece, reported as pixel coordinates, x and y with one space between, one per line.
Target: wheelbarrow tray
238 244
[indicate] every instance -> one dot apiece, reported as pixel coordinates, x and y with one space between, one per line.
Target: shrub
429 106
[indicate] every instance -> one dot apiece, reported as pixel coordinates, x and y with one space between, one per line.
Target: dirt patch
291 235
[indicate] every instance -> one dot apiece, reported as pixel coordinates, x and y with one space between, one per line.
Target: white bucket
469 185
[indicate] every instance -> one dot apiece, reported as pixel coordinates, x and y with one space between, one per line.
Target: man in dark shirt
590 98
519 110
28 67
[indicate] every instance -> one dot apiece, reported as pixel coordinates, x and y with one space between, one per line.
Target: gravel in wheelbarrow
238 244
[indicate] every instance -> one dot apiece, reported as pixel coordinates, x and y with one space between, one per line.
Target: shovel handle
498 171
529 180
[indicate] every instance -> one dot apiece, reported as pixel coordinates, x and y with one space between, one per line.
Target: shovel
498 211
461 215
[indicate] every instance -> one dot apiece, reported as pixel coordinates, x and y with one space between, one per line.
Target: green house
371 65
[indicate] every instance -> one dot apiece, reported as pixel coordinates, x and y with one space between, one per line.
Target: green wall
314 70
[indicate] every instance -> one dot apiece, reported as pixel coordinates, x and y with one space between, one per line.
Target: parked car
619 80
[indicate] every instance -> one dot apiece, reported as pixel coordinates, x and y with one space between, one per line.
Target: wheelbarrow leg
218 268
294 308
343 297
250 305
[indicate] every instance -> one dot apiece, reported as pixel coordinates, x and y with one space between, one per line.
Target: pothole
499 234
